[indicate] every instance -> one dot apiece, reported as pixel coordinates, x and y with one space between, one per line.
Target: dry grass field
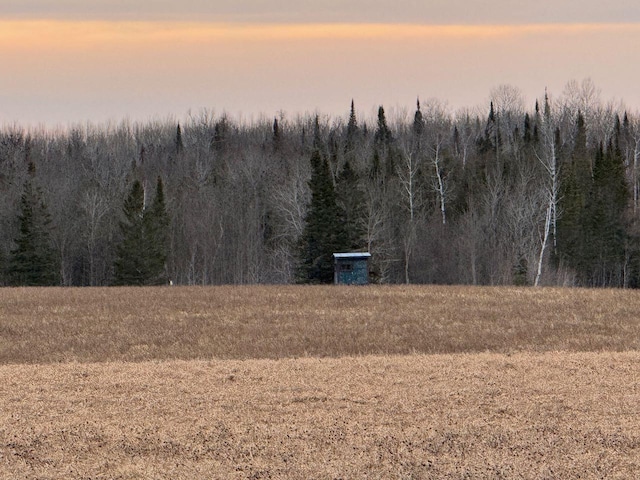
546 416
44 325
396 383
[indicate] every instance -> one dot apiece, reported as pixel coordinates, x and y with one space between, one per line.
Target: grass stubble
319 382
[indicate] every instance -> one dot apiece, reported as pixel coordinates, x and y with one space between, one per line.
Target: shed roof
352 255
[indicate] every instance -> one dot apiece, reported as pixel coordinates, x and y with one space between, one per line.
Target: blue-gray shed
351 268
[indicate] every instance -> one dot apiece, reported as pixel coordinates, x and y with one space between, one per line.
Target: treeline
528 195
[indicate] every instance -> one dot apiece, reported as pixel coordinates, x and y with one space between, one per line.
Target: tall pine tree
576 184
32 262
179 143
324 232
606 227
130 266
141 256
156 221
351 200
352 132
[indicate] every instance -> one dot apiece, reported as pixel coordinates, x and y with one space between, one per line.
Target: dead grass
137 324
553 415
130 383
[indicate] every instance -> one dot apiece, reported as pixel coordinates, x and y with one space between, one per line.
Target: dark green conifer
324 232
491 139
527 135
351 200
418 121
33 262
220 133
575 188
455 141
179 143
130 267
157 234
382 137
142 253
606 227
352 132
276 135
375 171
352 126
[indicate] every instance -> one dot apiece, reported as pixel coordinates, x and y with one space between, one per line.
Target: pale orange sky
58 71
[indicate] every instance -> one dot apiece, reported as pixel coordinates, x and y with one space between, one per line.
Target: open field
553 415
135 324
397 383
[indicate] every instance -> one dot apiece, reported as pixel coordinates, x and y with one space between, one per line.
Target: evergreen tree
455 141
383 145
130 265
351 200
276 135
418 121
352 126
33 261
324 233
375 170
142 254
490 141
382 137
352 131
527 135
606 227
157 235
317 136
179 144
536 124
220 133
576 184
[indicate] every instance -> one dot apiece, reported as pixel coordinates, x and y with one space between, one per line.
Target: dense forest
543 194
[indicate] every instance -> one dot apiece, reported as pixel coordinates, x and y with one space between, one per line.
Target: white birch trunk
543 246
440 188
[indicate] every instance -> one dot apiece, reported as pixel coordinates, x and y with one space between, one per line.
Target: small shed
351 268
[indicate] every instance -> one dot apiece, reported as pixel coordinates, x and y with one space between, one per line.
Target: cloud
334 11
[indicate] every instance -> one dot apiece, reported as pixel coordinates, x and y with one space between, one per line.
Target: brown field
424 382
135 324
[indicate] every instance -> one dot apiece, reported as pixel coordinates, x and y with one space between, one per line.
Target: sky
64 62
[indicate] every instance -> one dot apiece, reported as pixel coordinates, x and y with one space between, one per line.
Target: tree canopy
546 195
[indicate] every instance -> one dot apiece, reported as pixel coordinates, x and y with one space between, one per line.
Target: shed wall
352 271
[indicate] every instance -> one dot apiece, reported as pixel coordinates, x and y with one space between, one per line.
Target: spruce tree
382 137
606 227
142 254
352 132
488 143
375 171
352 126
576 185
527 135
156 222
179 143
32 262
276 139
351 200
318 143
130 266
324 233
418 121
